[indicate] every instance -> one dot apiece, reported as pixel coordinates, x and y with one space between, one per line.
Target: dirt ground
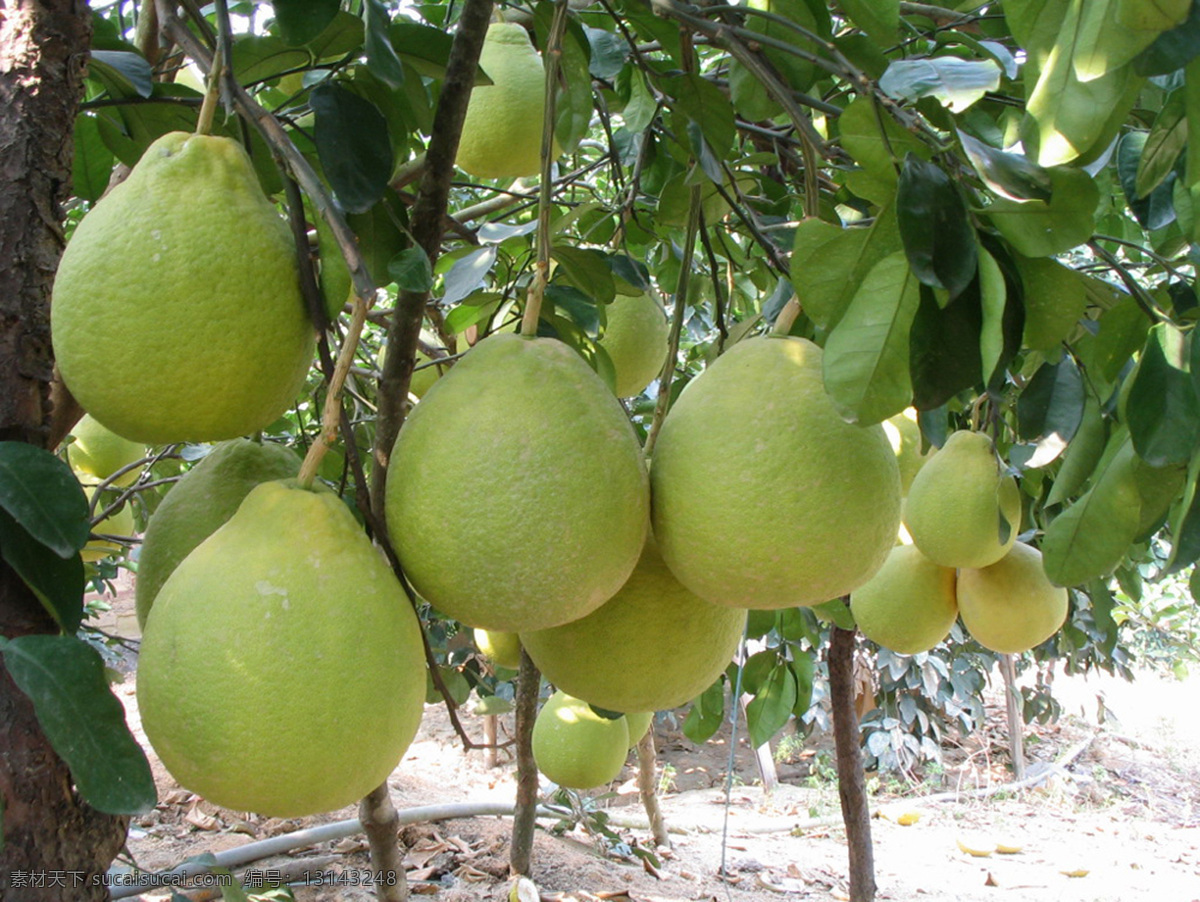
1120 823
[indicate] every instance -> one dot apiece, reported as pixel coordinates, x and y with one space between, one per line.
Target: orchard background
985 211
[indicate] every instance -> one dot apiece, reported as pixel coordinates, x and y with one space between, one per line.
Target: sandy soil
1121 823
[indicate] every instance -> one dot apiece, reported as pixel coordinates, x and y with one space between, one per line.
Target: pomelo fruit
203 500
763 496
517 498
503 648
909 605
117 524
99 452
962 510
1011 606
904 435
281 669
576 747
654 645
177 313
502 133
638 723
635 338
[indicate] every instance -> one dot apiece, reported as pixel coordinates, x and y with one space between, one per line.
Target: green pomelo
638 723
635 339
904 435
654 645
177 313
517 497
282 669
502 133
504 649
961 510
763 496
1011 606
98 451
909 606
576 747
203 500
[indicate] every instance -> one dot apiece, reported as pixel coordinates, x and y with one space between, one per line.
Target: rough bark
648 789
529 680
50 836
1016 724
852 791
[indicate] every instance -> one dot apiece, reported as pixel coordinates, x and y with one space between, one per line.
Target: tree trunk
55 846
1016 724
648 789
851 786
520 853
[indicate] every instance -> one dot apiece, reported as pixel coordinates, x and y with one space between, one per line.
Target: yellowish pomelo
177 313
576 747
117 524
962 510
904 435
553 524
638 723
654 645
763 496
282 669
99 452
908 605
1011 606
203 500
635 338
502 133
503 648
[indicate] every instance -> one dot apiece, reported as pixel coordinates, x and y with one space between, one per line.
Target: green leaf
300 21
797 73
425 48
92 165
836 612
353 143
258 58
829 263
123 74
1185 525
382 60
1152 15
642 106
1050 409
608 52
944 355
803 667
877 143
1090 538
574 101
938 237
57 582
64 678
1120 332
1163 408
343 36
866 356
44 497
1010 175
1163 145
699 101
1158 209
878 18
993 298
707 713
1055 301
411 271
1082 454
1172 49
955 83
588 270
772 705
1042 229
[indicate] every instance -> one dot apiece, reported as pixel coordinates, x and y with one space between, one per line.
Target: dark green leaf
698 100
1050 409
92 165
1082 454
382 60
410 270
343 35
771 706
300 21
574 100
1163 408
587 269
1158 209
353 144
1163 145
631 271
64 678
122 73
937 233
878 18
1010 175
944 356
1172 49
609 52
802 669
1185 526
257 58
578 307
1039 229
706 714
425 48
956 83
57 581
44 497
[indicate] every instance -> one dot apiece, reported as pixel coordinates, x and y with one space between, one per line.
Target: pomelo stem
208 109
541 268
787 316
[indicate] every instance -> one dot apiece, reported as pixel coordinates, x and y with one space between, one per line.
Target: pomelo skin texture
638 723
502 133
909 605
281 668
635 338
177 313
576 747
652 646
1011 606
203 500
763 496
504 649
956 502
99 452
517 497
